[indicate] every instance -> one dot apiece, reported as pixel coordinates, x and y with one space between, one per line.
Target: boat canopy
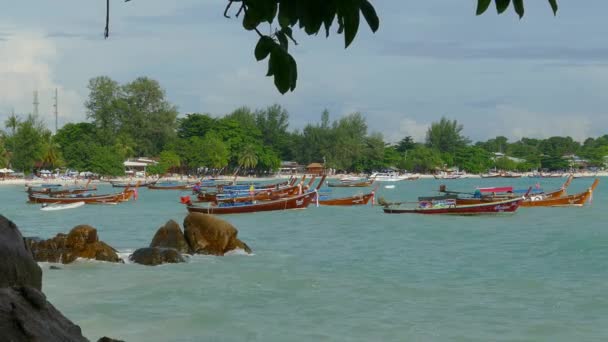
496 189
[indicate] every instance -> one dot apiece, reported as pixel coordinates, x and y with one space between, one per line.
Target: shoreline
24 182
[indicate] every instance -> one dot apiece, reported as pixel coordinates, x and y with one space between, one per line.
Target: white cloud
27 59
518 123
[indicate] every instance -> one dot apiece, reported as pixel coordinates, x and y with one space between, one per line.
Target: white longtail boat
60 206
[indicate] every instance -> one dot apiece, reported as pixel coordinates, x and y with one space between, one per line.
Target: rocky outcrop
80 242
25 314
207 234
153 256
170 236
17 267
107 339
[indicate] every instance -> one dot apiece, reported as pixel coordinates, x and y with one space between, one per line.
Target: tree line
135 119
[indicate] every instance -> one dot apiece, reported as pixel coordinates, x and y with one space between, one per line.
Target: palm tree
52 155
248 158
12 122
3 155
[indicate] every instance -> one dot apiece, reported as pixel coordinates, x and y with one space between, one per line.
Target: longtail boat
362 184
361 199
130 184
294 202
494 194
576 200
170 186
451 207
269 195
122 196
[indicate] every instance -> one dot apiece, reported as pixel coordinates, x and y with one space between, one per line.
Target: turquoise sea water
343 274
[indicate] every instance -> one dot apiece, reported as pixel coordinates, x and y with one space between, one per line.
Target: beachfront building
291 168
315 169
137 167
498 155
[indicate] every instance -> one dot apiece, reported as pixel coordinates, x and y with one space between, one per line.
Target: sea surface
342 273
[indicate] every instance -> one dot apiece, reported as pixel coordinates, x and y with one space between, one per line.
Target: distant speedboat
388 177
59 206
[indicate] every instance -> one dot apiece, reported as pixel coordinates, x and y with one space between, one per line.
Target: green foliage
137 110
309 15
502 5
105 161
28 144
445 136
248 157
215 152
473 159
423 159
4 159
75 142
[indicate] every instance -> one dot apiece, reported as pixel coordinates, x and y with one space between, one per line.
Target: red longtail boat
450 207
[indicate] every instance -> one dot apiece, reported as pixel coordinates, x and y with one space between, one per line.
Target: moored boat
361 199
59 206
449 206
575 200
294 202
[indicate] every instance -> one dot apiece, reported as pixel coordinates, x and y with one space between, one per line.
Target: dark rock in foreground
80 242
153 256
107 339
17 267
25 314
207 234
170 236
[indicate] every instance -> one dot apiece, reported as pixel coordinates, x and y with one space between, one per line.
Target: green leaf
553 4
482 6
329 13
351 22
293 75
284 13
519 7
282 39
502 5
271 64
282 70
252 19
369 13
289 33
263 48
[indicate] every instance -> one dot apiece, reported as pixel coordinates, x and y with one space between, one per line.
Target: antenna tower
36 103
56 108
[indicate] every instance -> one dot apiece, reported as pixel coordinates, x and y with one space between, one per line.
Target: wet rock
17 266
80 242
53 267
153 256
25 314
170 236
31 318
207 234
108 339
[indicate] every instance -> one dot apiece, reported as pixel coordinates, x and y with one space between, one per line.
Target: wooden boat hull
295 202
170 187
350 185
57 192
64 200
54 207
130 185
563 201
349 201
508 206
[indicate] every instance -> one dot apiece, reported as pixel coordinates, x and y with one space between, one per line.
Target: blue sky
497 75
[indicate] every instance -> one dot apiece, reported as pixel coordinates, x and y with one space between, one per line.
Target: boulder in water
17 266
207 234
80 242
153 256
170 236
25 314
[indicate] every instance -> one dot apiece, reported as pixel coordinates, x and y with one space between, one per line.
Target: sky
538 77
